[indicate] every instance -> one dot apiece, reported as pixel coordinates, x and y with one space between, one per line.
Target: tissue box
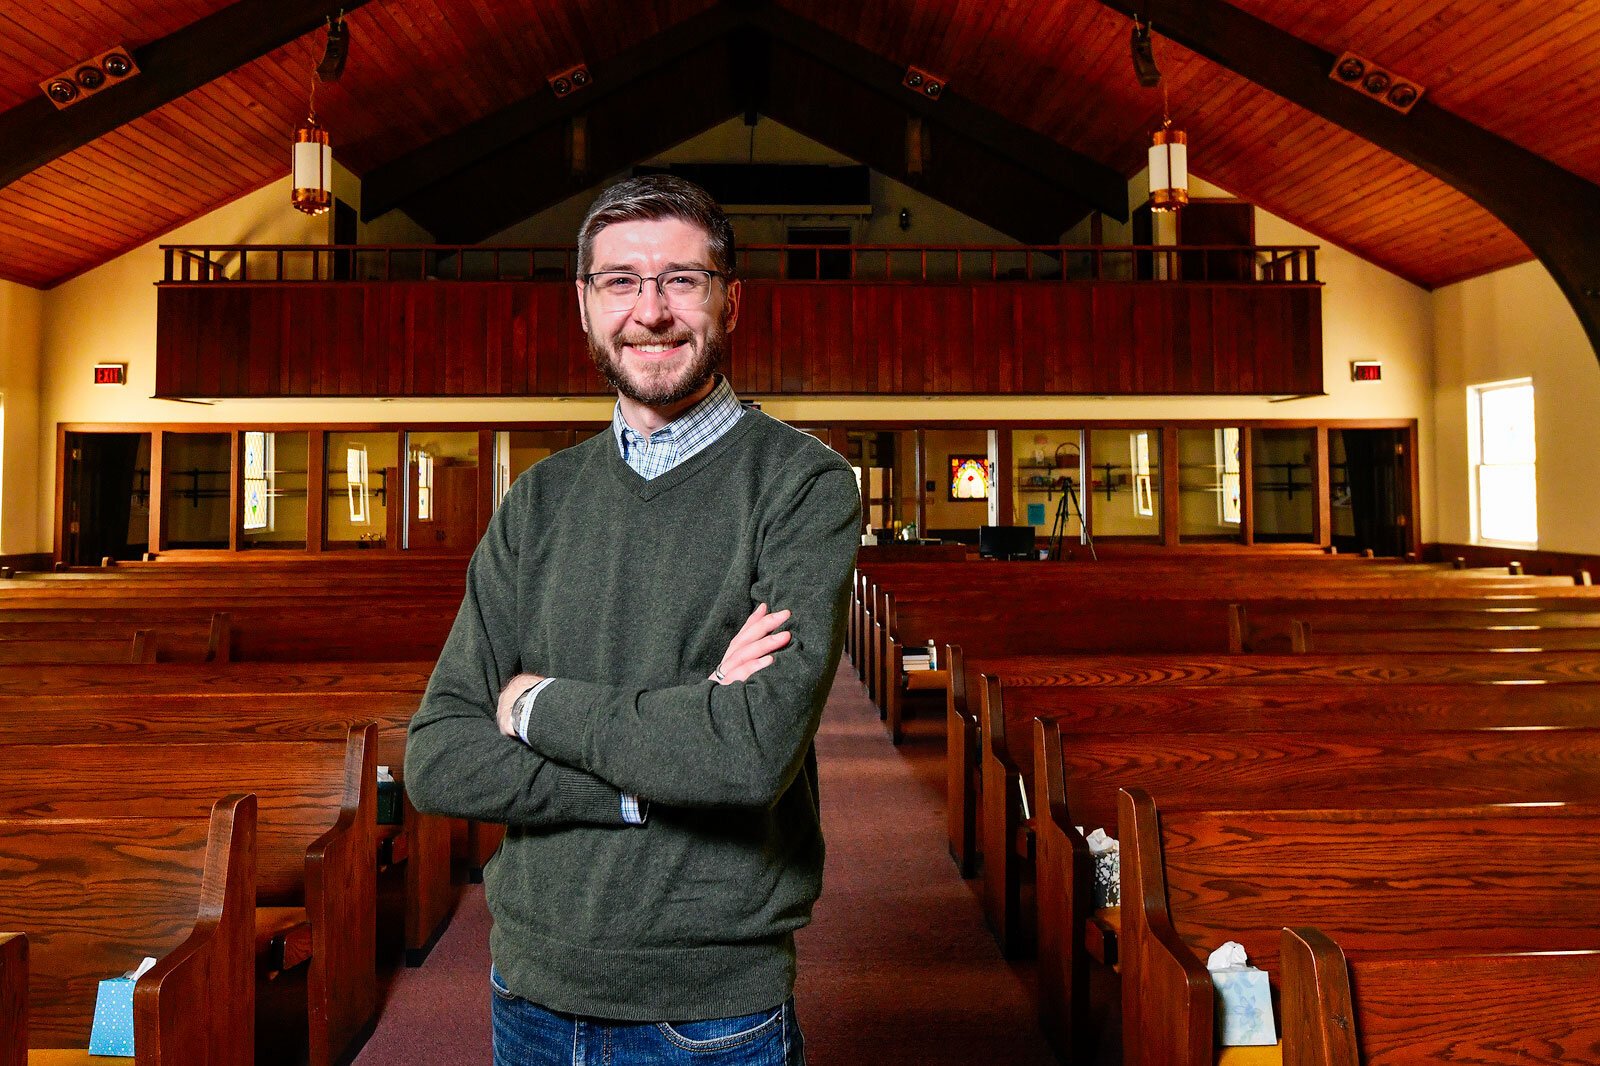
1108 879
389 806
1244 1007
112 1032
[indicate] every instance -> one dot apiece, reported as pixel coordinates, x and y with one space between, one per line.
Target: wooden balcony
367 321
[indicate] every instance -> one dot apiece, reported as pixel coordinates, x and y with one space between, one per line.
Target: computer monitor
1005 542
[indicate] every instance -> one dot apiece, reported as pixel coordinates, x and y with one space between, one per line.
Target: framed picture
971 477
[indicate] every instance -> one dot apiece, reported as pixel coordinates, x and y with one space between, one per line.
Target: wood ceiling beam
1076 178
35 133
1553 211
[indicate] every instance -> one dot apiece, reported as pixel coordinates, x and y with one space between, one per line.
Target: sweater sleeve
458 763
738 745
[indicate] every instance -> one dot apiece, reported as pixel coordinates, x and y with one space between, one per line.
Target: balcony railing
815 263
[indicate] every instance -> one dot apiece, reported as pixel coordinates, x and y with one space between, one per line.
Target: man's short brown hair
656 196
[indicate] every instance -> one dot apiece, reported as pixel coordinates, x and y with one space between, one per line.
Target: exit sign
1366 370
111 373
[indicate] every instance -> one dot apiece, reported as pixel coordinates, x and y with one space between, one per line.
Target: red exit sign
1366 370
110 373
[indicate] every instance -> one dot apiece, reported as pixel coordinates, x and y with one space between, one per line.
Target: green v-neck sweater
628 592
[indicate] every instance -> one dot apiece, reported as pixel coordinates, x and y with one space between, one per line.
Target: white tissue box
1244 1007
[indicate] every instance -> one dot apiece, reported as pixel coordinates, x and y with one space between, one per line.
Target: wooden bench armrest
201 994
13 999
1167 995
341 902
1318 1016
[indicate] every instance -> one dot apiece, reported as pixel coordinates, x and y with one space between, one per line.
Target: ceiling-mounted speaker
924 84
82 80
570 80
1144 58
335 51
1375 82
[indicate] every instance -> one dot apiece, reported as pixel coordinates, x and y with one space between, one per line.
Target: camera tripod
1069 503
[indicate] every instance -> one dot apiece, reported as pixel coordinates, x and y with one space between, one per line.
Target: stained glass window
424 487
258 473
1229 512
970 477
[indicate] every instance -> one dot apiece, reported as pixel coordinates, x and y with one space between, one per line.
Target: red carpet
897 967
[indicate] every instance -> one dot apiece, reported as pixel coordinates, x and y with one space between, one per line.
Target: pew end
1154 956
180 890
1318 1020
202 994
1389 1008
13 999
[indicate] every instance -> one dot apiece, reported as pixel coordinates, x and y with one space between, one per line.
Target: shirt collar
719 405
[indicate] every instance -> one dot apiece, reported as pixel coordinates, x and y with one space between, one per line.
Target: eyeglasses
682 290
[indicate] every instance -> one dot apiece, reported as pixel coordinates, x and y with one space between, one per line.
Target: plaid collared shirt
681 439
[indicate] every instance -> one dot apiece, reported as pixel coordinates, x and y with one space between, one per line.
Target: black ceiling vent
779 188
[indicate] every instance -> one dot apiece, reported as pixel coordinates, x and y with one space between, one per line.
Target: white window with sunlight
1504 489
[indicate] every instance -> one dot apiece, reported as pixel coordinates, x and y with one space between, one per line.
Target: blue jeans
526 1034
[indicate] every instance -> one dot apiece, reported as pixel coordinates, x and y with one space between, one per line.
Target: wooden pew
1268 626
964 706
1009 767
1470 879
316 861
995 624
168 679
421 842
13 999
1080 774
83 651
1533 638
1390 1010
195 636
95 895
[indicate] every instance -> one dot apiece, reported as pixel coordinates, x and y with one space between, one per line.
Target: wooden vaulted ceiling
420 70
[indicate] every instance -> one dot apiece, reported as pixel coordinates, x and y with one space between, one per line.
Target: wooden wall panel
524 338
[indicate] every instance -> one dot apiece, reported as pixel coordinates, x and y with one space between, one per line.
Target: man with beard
635 677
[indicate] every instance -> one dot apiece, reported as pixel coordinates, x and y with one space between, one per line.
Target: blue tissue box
112 1033
1244 1007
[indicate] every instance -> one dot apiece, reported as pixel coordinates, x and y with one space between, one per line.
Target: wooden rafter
36 133
1553 211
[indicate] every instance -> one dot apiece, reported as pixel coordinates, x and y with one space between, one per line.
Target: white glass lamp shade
1169 169
313 169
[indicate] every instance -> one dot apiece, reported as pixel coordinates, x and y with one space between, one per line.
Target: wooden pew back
1470 1007
302 787
95 895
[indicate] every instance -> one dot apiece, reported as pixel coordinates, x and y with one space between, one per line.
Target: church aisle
897 967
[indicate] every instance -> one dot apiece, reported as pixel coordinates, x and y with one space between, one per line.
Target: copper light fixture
1169 154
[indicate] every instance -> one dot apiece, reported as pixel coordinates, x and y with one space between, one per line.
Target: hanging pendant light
1169 168
311 164
313 168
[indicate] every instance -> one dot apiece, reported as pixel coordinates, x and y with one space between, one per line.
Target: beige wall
109 314
1510 324
21 320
